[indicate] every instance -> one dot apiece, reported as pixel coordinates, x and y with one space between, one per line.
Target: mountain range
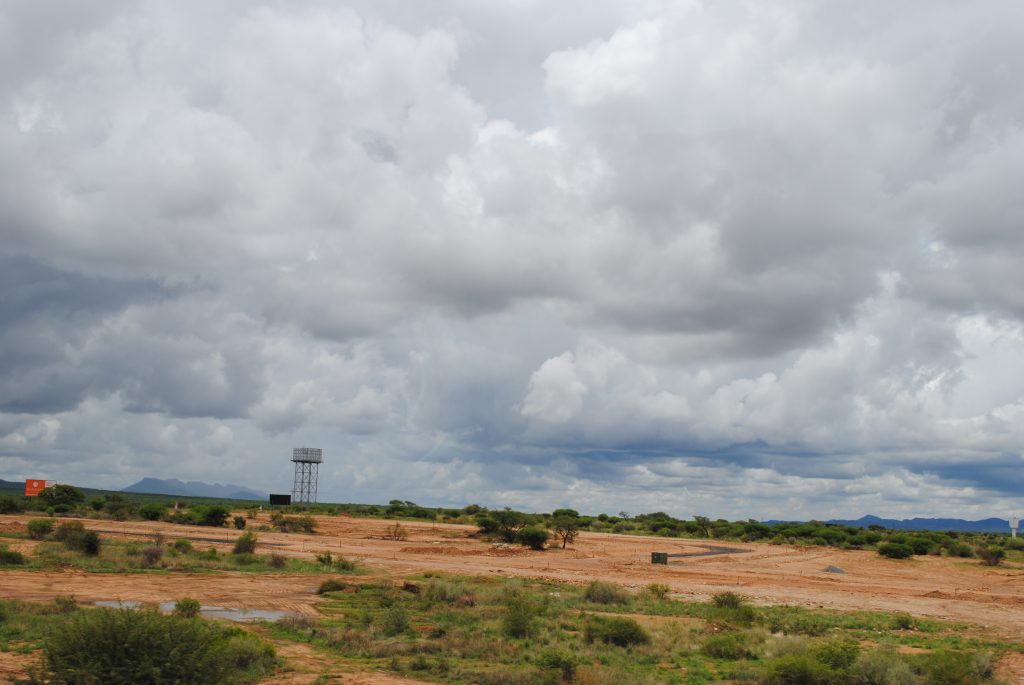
193 488
992 525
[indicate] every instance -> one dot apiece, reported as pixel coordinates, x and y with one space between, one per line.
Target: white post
1013 526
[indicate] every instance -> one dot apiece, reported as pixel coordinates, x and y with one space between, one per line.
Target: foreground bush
125 647
621 632
245 544
991 556
601 592
77 539
40 528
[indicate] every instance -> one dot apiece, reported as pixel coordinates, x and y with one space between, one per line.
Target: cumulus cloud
705 257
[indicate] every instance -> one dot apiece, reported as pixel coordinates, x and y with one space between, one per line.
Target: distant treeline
506 524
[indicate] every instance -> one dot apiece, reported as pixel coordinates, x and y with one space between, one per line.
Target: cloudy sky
740 259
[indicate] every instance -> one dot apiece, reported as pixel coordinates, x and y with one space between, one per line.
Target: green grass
423 630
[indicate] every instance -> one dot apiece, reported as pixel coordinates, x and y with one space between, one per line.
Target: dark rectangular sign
280 499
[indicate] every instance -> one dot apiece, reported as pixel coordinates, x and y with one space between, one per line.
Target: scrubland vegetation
127 647
537 531
491 631
69 545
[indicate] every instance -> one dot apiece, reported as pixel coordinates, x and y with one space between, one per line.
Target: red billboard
33 486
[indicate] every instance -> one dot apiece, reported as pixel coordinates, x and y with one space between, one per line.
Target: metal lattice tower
307 462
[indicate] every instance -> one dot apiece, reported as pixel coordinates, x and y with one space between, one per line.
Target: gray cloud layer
727 257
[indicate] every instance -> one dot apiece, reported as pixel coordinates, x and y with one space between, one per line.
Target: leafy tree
61 494
214 515
566 528
152 511
509 523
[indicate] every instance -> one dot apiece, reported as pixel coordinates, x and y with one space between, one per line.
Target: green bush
70 529
839 654
731 645
330 585
534 537
245 544
277 560
152 511
215 516
40 528
293 524
125 647
450 592
393 621
727 600
615 630
895 550
798 670
883 667
517 621
955 668
240 522
563 662
903 622
61 494
9 505
991 556
658 591
600 592
187 607
9 557
182 545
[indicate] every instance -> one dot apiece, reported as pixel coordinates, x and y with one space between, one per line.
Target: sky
736 259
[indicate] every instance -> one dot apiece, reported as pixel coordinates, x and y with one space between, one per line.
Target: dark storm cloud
44 313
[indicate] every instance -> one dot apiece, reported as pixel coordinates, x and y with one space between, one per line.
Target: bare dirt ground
938 587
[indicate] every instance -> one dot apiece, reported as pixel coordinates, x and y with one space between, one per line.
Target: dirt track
940 587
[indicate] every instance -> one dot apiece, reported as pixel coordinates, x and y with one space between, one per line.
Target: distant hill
194 488
993 525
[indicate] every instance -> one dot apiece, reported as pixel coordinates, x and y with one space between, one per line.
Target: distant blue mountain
193 488
993 525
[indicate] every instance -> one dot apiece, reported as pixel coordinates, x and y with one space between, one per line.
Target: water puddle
237 615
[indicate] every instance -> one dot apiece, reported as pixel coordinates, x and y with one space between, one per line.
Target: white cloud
548 255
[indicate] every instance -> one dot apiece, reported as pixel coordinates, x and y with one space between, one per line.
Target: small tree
991 556
40 528
566 528
215 516
240 522
245 544
508 523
